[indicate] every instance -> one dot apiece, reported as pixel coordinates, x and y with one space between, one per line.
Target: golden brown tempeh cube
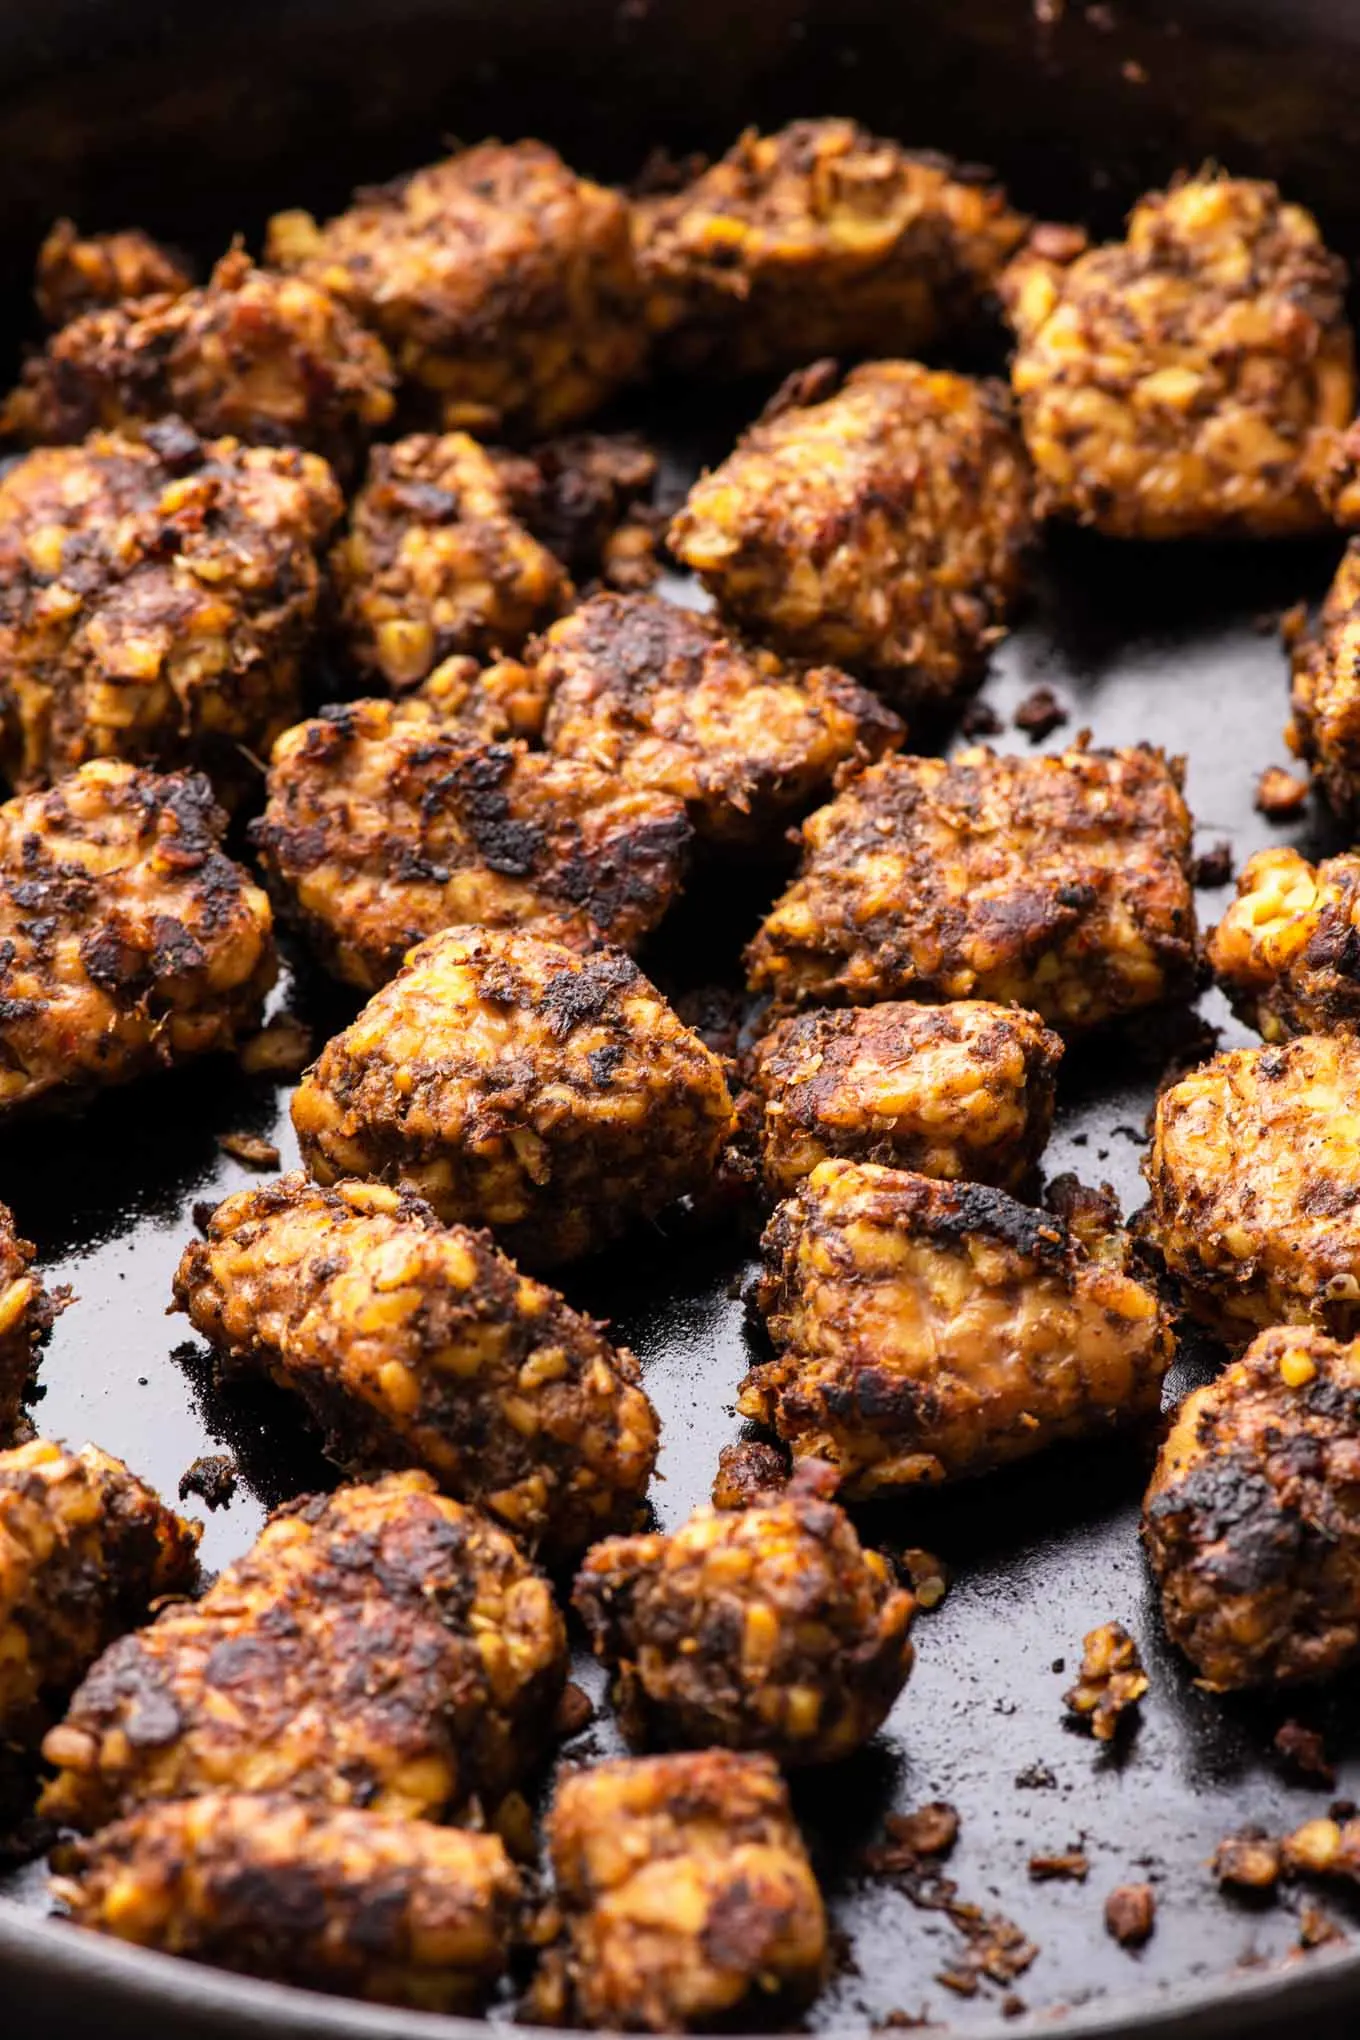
767 1627
687 1893
1254 1175
555 1098
435 561
881 528
27 1312
662 698
129 940
80 273
266 358
1325 695
1251 1523
418 1345
504 285
1060 883
818 239
156 601
1191 380
1287 951
928 1330
963 1090
332 1898
382 1647
385 823
85 1548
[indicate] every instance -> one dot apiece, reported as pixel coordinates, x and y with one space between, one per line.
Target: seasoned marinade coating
1325 693
927 1330
156 601
1059 882
384 825
763 1628
80 273
504 285
1252 1521
268 359
413 1344
1287 951
818 239
27 1312
687 1894
663 698
85 1548
961 1091
381 1647
883 528
587 496
1252 1172
398 1912
555 1098
129 940
1190 380
436 562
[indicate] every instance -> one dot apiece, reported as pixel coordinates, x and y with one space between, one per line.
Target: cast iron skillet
195 125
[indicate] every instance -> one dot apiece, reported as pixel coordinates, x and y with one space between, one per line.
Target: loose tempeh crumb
1110 1684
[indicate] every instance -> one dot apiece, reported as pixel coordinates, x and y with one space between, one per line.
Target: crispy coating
763 1628
417 1345
85 1548
1325 693
1189 381
555 1098
819 239
687 1893
385 825
882 528
928 1330
128 939
435 561
1253 1175
156 601
381 1647
1287 952
663 698
333 1898
963 1090
28 1311
80 273
268 359
1060 883
1252 1521
504 285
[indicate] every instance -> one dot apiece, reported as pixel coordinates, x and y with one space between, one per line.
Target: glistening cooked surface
1163 649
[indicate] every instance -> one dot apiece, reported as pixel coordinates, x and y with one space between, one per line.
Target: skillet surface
1175 648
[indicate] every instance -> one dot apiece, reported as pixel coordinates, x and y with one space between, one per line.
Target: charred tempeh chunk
382 1647
927 1330
1252 1521
80 273
332 1898
687 1895
1287 952
416 1344
554 1098
85 1548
